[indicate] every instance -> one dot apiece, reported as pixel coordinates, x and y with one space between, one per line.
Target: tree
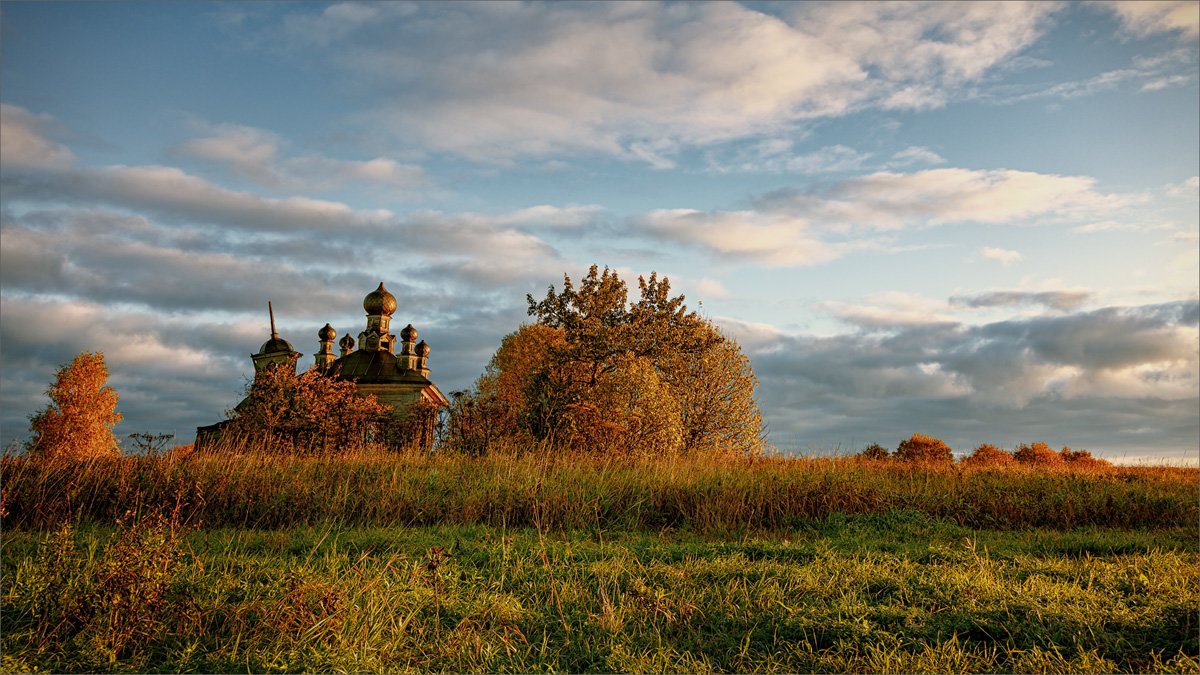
309 413
601 373
78 422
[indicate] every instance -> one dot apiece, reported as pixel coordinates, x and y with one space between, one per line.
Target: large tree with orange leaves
602 373
78 422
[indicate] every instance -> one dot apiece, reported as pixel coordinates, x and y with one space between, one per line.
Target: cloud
1145 18
915 155
496 82
813 225
1111 380
1058 300
888 200
254 154
1172 68
739 235
1005 257
25 143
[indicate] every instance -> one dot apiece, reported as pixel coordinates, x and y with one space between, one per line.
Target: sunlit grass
894 592
520 561
702 493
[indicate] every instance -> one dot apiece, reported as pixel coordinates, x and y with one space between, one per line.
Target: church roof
375 367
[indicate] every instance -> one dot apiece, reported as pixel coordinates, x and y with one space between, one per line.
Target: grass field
514 563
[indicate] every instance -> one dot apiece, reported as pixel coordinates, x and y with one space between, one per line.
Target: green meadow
520 563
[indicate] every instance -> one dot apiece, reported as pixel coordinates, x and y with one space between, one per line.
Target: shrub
1038 454
82 412
922 448
1082 458
989 455
874 451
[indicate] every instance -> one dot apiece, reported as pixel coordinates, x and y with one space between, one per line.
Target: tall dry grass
515 488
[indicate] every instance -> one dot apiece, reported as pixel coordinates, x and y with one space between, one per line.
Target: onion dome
276 344
327 333
347 343
422 348
409 333
379 301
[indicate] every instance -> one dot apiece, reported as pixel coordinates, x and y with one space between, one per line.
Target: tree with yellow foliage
600 373
82 412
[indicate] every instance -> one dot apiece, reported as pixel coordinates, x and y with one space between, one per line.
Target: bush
1038 454
1082 459
922 448
874 451
989 455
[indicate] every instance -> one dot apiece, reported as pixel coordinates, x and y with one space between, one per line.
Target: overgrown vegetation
886 592
307 413
702 492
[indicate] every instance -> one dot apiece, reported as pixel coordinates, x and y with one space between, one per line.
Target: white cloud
1188 189
915 155
889 310
1149 17
794 227
254 154
24 143
744 235
495 82
1004 256
887 200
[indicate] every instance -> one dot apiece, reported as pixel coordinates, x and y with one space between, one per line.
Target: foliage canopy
82 412
309 413
600 373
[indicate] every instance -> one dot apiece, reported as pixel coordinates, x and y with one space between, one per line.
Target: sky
969 220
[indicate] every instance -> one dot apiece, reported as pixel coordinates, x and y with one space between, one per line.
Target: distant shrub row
927 449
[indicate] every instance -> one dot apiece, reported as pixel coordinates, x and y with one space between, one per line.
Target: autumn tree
309 413
599 372
78 422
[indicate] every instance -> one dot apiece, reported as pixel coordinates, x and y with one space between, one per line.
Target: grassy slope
733 581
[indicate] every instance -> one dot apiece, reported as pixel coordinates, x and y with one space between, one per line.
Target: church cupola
275 352
346 345
422 353
323 358
379 306
408 357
